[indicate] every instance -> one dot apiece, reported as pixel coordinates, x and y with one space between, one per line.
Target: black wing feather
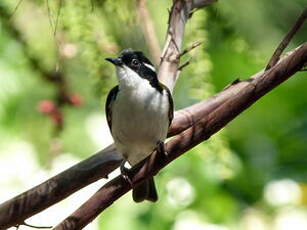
108 108
171 103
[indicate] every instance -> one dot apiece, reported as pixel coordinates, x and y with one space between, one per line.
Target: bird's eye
135 62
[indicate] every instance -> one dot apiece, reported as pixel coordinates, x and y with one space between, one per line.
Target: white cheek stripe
150 67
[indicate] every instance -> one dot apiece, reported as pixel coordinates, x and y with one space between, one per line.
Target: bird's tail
145 191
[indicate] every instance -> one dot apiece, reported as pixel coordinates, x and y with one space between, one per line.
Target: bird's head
130 60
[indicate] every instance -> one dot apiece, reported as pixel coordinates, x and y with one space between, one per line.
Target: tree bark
242 94
192 125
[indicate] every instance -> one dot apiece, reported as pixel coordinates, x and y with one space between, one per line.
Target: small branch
284 43
49 15
149 32
244 94
34 226
191 47
57 17
16 8
185 64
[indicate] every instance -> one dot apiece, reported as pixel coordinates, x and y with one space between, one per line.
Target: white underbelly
139 121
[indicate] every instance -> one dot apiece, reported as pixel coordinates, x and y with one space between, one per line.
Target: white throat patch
127 78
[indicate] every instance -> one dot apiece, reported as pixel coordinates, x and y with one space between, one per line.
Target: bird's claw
160 148
124 173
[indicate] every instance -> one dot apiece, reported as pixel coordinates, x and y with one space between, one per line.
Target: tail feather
145 191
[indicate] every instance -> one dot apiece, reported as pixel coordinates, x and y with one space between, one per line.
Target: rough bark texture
242 95
192 125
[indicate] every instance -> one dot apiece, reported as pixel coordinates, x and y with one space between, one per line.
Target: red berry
76 100
46 106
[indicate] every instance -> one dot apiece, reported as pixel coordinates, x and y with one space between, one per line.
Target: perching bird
139 111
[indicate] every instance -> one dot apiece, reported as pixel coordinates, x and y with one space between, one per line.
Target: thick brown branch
59 187
284 43
96 167
205 114
16 210
244 94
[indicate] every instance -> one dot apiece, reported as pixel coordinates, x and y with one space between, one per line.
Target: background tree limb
148 29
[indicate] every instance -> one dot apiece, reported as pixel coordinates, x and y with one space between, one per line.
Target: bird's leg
124 172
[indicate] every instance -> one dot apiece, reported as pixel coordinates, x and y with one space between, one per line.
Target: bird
139 111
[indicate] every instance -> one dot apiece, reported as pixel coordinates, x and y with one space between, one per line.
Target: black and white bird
139 111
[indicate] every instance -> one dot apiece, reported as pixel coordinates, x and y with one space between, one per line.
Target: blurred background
53 84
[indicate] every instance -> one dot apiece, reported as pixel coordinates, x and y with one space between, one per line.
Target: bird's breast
139 120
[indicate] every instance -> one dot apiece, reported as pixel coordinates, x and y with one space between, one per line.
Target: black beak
115 61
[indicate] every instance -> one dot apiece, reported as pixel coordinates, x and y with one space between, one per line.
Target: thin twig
34 226
16 8
185 64
57 17
284 43
188 49
49 14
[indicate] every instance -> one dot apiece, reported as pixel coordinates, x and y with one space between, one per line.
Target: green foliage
222 182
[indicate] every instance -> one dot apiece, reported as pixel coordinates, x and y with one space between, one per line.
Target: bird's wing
108 109
171 106
171 103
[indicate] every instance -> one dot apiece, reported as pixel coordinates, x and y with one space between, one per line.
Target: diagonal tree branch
16 210
243 94
57 188
284 43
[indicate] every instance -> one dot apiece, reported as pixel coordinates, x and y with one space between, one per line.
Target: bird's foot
124 172
160 148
